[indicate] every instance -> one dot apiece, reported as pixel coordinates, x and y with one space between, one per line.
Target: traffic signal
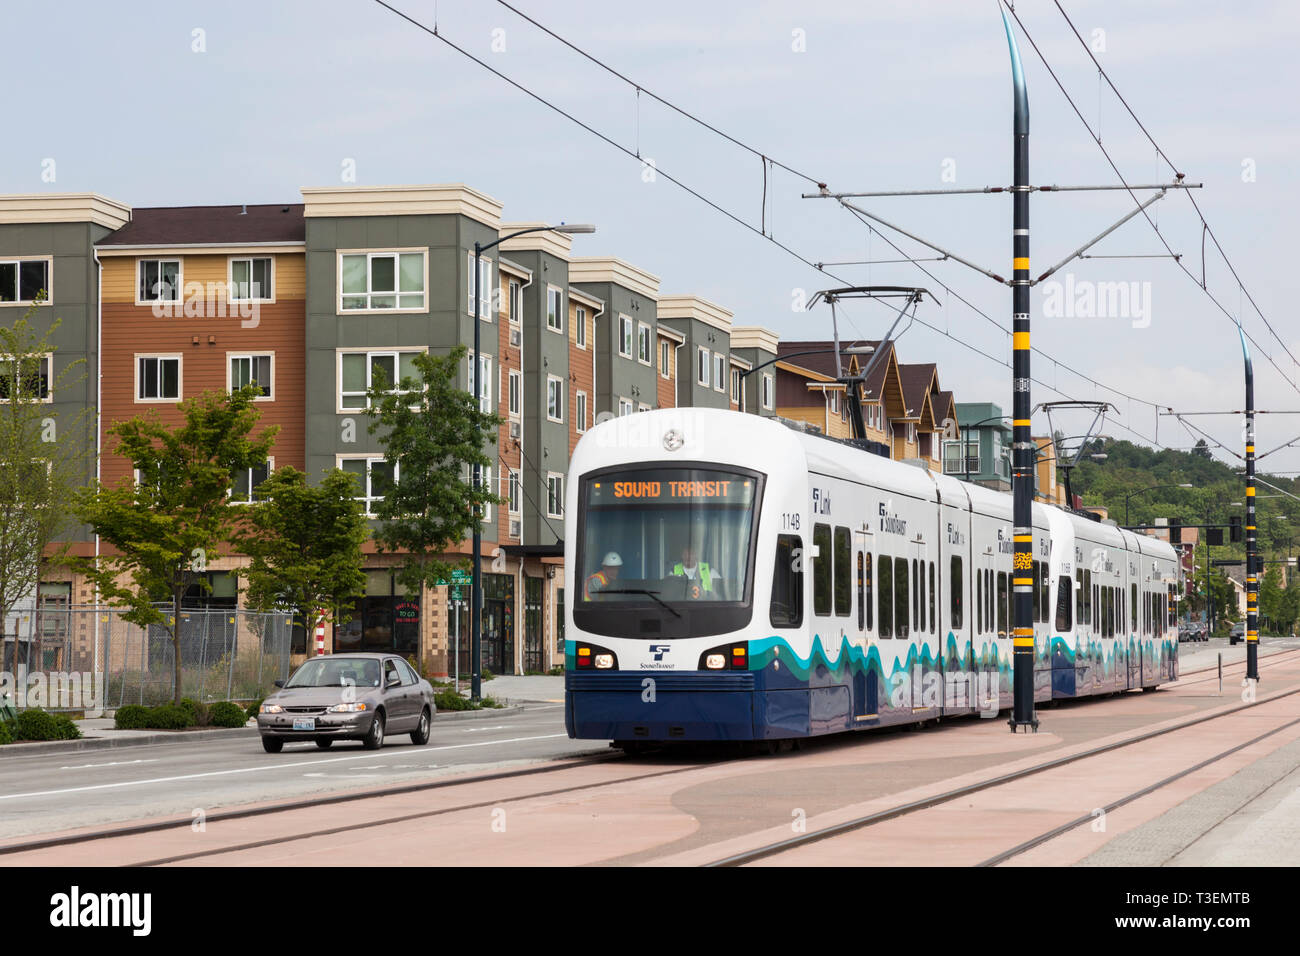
1234 528
1175 531
1214 536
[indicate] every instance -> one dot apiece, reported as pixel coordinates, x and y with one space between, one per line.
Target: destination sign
673 487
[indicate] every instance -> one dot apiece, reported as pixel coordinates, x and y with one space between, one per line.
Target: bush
169 717
132 717
556 671
450 700
6 736
226 714
38 724
253 708
492 702
487 675
198 712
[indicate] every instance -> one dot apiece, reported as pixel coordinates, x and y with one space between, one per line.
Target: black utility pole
1022 449
1252 563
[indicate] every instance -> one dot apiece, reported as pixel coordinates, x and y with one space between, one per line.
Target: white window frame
485 403
625 407
768 397
514 491
16 262
555 318
230 278
719 372
625 336
371 254
580 318
485 286
644 344
516 393
554 399
366 497
485 481
702 369
736 385
230 492
643 407
338 373
516 293
580 411
179 291
159 356
48 358
665 359
230 378
554 494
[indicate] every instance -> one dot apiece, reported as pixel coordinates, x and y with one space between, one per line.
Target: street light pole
1252 549
476 576
1143 491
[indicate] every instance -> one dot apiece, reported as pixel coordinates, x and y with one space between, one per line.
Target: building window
554 495
581 319
251 280
159 280
158 378
702 354
643 347
513 492
485 296
30 376
516 302
624 336
485 481
665 358
382 280
554 398
719 372
580 411
247 480
516 392
835 401
357 374
643 407
251 370
554 309
767 391
23 280
735 385
374 477
484 381
625 407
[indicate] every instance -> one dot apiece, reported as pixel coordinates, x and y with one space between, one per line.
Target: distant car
1238 632
1195 631
362 697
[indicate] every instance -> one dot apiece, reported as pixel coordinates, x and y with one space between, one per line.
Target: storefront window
384 620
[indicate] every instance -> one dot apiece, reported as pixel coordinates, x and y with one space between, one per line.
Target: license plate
304 723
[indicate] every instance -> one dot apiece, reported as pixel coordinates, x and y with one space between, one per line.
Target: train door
927 665
865 683
956 619
984 671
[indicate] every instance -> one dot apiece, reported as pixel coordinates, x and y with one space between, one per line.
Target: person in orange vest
608 574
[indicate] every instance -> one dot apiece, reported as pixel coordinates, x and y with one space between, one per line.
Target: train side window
979 600
1087 599
1110 612
1045 591
932 607
1096 607
1133 605
1063 603
918 609
1035 611
1002 604
1078 596
900 598
821 565
870 599
988 598
787 582
885 592
843 580
955 585
862 590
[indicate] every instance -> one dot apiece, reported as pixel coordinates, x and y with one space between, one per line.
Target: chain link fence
226 654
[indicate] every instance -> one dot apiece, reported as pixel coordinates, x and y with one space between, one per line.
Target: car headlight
351 708
270 709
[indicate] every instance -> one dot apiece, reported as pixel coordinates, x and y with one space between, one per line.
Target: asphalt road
50 792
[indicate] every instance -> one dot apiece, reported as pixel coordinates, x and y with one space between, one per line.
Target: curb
183 736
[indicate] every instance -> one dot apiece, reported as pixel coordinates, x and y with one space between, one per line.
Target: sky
176 103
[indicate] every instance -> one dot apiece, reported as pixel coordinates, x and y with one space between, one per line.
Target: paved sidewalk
514 689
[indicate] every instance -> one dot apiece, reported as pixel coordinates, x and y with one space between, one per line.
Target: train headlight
594 657
727 657
715 662
604 661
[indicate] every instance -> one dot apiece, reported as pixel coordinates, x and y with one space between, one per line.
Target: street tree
433 433
165 527
304 542
42 461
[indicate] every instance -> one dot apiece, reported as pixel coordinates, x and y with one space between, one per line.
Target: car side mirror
279 682
393 681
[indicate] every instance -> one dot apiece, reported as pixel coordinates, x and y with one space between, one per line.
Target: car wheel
272 745
375 738
324 743
420 735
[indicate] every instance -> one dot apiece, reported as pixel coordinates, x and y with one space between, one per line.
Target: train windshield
667 537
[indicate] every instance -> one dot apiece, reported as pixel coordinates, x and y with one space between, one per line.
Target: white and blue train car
734 578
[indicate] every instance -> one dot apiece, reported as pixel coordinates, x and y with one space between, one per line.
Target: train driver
702 581
608 574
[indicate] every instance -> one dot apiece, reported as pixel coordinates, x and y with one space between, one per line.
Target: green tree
304 542
165 528
1271 596
433 433
42 460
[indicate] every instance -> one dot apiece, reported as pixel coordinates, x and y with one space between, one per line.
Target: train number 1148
789 521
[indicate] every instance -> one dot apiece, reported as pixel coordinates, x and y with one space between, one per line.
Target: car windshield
336 672
666 536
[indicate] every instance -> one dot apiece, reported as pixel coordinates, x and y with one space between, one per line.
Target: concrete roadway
60 791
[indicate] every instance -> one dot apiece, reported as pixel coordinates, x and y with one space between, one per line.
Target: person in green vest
702 581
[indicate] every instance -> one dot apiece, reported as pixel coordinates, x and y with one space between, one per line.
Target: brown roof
219 225
944 407
825 361
916 385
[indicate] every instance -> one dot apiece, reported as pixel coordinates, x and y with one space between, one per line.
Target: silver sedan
348 697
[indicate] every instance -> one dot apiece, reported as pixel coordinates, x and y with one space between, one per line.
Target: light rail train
735 578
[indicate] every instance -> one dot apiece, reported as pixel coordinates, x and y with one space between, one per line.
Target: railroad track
957 793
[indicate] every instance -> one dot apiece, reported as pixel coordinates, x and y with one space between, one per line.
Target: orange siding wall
581 378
